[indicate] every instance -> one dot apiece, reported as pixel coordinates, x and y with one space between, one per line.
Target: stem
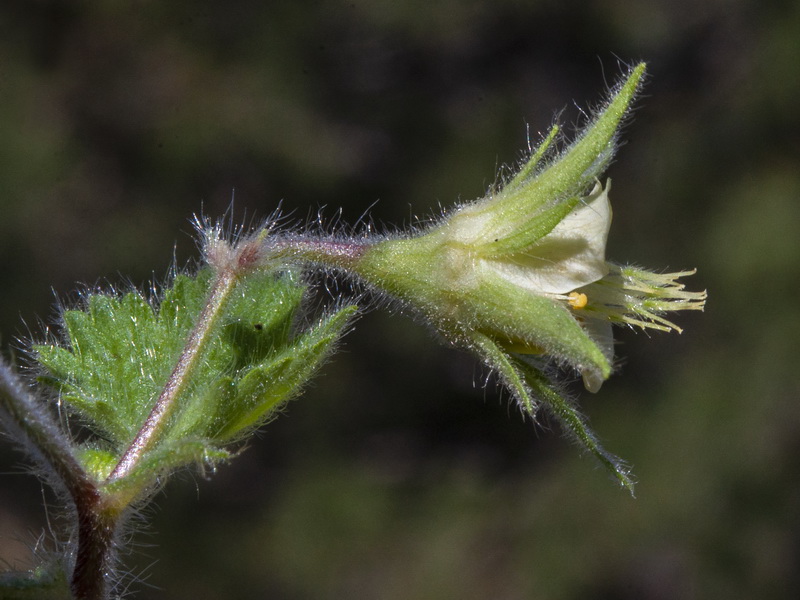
99 514
28 418
96 555
34 426
178 380
330 253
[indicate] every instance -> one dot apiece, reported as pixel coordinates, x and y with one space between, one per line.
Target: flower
520 277
501 270
555 266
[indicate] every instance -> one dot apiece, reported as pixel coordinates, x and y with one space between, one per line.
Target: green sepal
518 241
580 164
531 324
483 302
535 159
500 362
532 388
529 206
572 421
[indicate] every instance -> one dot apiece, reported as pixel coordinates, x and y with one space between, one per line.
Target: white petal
602 335
572 255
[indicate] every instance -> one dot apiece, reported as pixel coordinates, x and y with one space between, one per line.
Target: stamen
577 299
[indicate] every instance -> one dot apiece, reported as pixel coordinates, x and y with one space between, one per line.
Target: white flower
571 256
523 272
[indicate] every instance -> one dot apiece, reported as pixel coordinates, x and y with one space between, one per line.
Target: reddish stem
96 554
192 352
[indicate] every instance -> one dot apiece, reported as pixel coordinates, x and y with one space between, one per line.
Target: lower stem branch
96 554
34 427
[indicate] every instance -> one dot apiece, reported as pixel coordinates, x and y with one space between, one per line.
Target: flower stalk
230 263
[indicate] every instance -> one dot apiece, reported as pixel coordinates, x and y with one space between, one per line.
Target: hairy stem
179 379
36 429
330 253
33 425
96 555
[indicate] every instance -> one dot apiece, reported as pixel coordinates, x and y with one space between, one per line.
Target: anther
577 299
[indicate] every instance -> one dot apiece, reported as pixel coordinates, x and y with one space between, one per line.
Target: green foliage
42 583
120 352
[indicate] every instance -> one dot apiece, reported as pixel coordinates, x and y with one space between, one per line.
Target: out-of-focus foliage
395 477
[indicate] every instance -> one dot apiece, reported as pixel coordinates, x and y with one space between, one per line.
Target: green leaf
46 582
266 387
167 456
98 462
119 353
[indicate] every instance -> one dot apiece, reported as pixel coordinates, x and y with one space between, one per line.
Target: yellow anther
577 299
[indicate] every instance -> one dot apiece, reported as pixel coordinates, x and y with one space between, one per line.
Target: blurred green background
397 475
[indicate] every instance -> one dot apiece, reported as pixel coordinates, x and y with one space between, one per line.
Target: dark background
397 475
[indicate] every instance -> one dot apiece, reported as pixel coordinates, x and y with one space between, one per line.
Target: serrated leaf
119 355
167 456
98 462
121 350
267 386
